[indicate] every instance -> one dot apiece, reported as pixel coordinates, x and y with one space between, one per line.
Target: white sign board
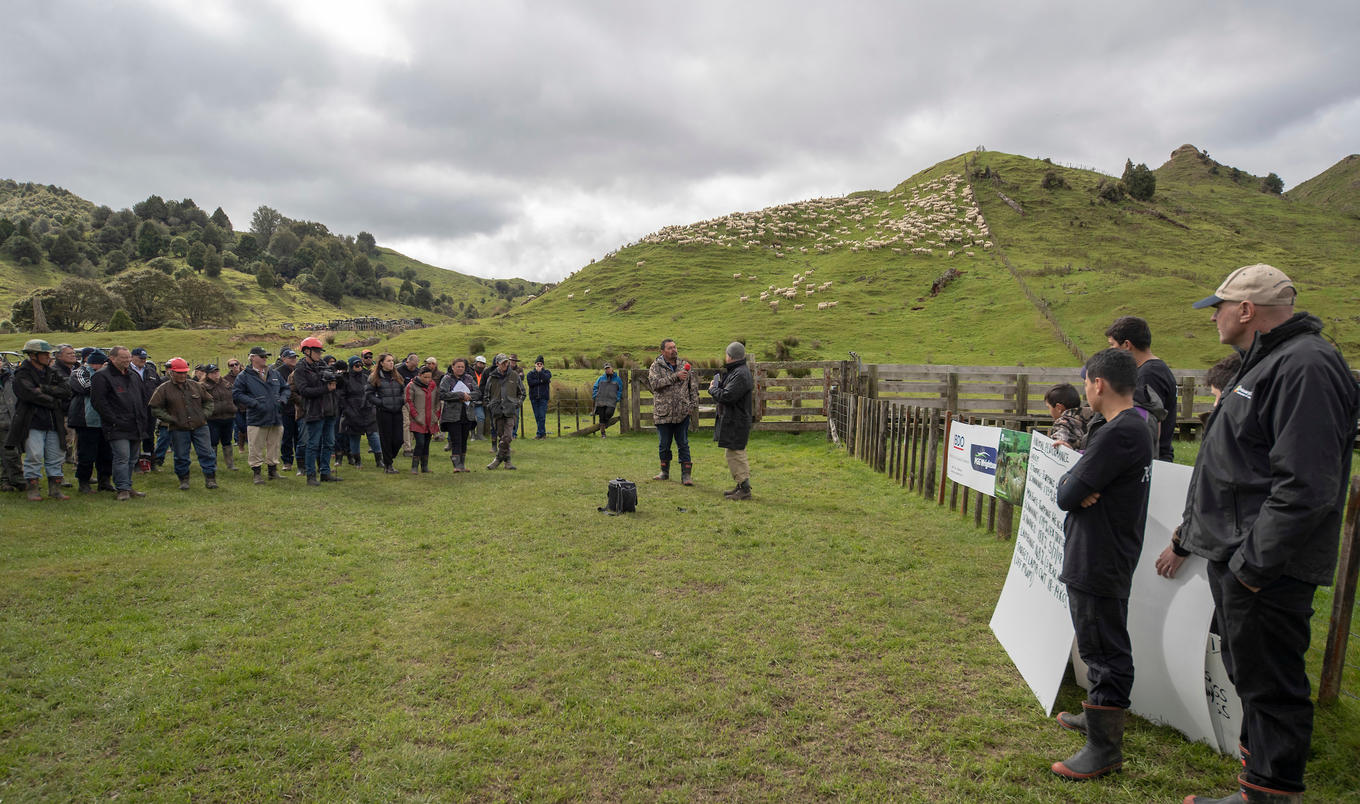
1169 619
1031 620
970 459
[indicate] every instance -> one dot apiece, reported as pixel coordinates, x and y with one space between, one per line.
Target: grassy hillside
1026 267
1337 187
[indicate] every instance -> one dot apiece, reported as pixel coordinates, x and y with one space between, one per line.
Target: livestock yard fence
896 418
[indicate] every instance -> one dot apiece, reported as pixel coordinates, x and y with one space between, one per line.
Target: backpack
622 496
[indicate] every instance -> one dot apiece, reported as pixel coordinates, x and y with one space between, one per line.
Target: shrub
1112 191
1052 181
6 327
1272 184
476 347
1140 182
330 339
121 322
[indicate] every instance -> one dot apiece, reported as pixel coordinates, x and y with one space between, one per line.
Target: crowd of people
1265 505
119 416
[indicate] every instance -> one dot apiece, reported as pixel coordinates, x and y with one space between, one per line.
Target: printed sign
971 456
1031 620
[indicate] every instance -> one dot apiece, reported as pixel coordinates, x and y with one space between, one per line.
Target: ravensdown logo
984 460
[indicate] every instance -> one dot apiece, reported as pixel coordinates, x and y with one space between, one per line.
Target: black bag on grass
622 496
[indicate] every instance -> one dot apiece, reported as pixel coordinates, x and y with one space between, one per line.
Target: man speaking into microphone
675 396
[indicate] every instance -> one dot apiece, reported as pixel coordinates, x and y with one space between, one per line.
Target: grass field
492 636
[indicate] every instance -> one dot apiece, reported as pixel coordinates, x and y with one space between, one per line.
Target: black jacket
358 413
390 393
1269 484
732 389
540 384
35 390
119 399
317 401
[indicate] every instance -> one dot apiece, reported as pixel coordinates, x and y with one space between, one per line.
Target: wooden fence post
932 447
637 402
1021 395
873 380
1343 602
948 427
1185 414
951 393
625 382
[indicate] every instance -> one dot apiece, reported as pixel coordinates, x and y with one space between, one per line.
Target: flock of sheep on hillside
940 215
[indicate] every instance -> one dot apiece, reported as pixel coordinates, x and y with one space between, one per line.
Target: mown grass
493 636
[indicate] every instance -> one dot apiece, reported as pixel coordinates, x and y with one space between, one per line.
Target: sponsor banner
970 457
1012 465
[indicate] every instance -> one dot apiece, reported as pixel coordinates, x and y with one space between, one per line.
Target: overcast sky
504 138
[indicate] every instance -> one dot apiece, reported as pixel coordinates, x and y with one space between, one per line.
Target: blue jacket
600 391
262 400
540 384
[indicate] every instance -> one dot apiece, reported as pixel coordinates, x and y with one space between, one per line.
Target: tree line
151 261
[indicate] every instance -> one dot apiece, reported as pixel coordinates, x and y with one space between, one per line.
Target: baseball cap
606 365
210 368
259 350
139 352
480 359
501 358
366 353
1260 284
96 358
286 353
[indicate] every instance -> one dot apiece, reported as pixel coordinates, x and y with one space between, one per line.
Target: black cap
259 350
139 352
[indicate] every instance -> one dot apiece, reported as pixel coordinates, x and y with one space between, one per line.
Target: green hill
1337 187
986 258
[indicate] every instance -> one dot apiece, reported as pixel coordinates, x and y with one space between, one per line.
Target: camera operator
315 383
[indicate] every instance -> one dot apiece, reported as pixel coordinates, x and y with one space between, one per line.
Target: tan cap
1260 284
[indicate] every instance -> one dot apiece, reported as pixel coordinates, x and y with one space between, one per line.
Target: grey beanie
736 350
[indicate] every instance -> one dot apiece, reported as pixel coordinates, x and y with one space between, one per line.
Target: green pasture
492 636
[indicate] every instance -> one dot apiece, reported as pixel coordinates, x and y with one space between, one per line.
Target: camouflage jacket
673 399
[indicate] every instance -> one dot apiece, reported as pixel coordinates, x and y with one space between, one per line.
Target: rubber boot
183 482
457 463
1103 752
494 463
415 466
230 460
259 478
425 464
1250 793
34 490
105 484
210 481
358 461
85 487
389 469
1075 722
687 473
273 471
54 489
665 473
509 465
741 492
331 477
312 480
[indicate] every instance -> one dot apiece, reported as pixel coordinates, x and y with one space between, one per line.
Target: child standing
1105 495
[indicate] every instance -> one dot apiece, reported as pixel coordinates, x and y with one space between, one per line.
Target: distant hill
1337 187
60 236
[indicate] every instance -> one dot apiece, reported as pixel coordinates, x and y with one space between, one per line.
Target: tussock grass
492 636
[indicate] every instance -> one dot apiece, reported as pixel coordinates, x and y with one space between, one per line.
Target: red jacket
423 403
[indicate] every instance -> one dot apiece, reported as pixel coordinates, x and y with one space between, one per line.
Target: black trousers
93 453
1265 635
458 435
288 445
1102 626
390 433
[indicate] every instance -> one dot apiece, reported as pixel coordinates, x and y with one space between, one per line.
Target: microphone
686 365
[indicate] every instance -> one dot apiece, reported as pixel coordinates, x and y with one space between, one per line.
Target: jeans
162 444
1265 635
540 415
420 445
201 441
43 450
290 435
124 461
92 454
320 442
480 412
356 443
679 432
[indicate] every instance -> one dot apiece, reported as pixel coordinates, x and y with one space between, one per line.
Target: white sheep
774 305
743 299
737 275
798 306
823 305
571 295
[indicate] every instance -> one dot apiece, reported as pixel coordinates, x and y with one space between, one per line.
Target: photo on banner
1012 466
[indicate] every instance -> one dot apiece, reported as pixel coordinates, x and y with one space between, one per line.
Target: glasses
233 365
